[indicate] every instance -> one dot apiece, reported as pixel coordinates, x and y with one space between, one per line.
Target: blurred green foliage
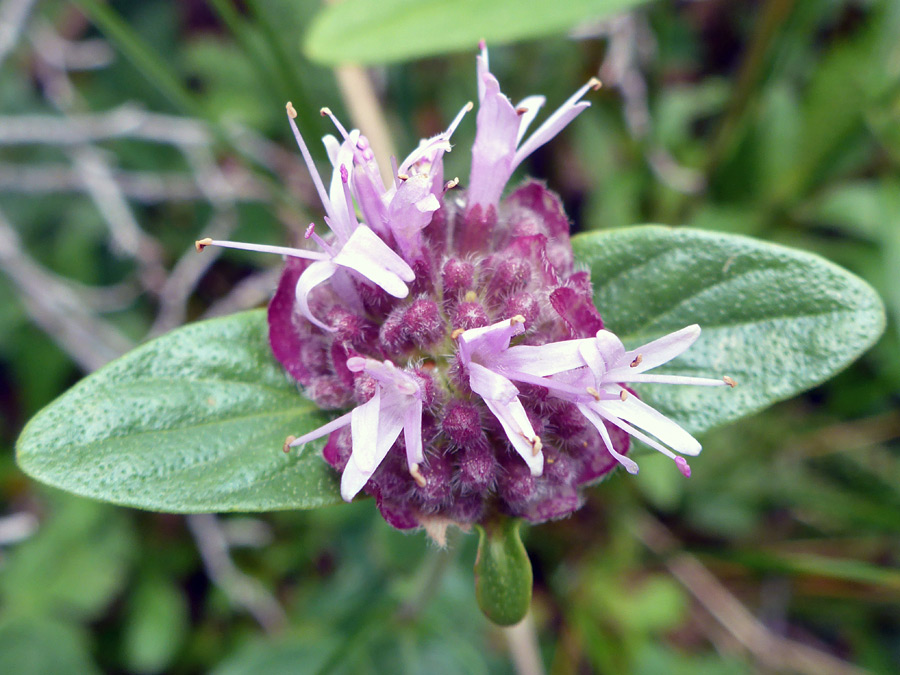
779 119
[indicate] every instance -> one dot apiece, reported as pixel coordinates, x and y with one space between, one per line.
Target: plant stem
524 648
773 15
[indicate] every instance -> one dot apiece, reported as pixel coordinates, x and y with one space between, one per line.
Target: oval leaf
193 421
384 31
777 320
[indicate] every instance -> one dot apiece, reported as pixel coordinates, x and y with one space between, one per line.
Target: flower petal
542 360
370 449
610 348
501 398
412 433
662 350
595 419
366 253
410 212
364 423
487 343
497 125
312 276
555 123
530 105
638 413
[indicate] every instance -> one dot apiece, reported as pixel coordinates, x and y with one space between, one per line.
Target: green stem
241 32
774 14
143 58
161 75
288 70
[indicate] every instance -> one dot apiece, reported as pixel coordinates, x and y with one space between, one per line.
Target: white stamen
261 248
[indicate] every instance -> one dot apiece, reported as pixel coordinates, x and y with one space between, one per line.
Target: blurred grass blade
384 31
143 58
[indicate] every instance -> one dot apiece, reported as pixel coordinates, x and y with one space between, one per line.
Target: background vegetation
129 129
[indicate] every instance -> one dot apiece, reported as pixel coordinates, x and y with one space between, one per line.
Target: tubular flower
591 372
455 327
478 348
395 405
355 246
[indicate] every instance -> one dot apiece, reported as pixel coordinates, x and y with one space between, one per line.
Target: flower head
456 328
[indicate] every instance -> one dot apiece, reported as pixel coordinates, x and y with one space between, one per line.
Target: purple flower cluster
455 325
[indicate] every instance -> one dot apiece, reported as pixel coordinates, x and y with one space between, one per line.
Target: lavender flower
396 405
591 372
458 318
479 350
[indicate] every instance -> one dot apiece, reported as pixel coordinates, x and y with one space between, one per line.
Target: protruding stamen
623 395
594 83
310 165
536 446
470 296
518 318
593 392
521 111
291 111
348 196
729 381
456 120
287 441
637 361
683 466
403 177
326 112
200 244
417 475
456 333
311 234
450 184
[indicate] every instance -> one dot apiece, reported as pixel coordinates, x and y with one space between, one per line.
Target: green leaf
384 31
287 655
777 320
38 647
156 626
193 421
75 564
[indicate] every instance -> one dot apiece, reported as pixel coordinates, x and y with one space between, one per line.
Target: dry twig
771 651
242 590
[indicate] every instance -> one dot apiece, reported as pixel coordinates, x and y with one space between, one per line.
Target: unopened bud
503 576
